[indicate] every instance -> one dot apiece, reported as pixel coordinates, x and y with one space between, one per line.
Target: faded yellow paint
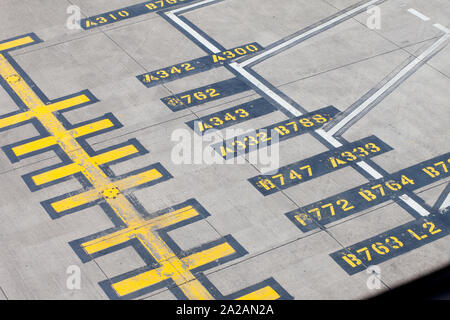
15 119
57 173
144 230
266 293
139 228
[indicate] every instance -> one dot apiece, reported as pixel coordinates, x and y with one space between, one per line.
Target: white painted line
307 33
388 85
446 203
413 204
441 27
285 104
362 164
418 14
189 7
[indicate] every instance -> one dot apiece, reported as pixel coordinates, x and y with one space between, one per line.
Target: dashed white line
413 204
418 14
425 55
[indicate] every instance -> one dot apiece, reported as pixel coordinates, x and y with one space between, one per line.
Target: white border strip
192 32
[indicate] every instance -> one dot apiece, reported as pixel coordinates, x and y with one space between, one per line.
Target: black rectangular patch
319 165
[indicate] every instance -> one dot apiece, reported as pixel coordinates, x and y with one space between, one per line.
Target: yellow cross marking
179 270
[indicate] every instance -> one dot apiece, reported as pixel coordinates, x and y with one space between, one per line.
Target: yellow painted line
92 195
64 104
266 293
203 257
16 43
171 264
75 201
170 269
297 217
73 168
91 128
51 141
143 280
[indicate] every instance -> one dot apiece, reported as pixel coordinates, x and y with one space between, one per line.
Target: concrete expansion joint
110 193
